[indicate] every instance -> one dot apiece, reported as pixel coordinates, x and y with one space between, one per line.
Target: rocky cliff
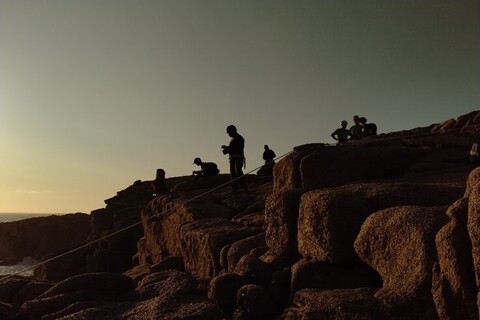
381 228
42 236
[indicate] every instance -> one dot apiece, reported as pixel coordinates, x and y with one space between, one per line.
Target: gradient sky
97 94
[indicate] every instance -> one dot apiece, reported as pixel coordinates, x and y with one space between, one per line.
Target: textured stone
330 219
202 240
399 243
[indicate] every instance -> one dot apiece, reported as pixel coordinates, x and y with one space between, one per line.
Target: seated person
207 168
160 184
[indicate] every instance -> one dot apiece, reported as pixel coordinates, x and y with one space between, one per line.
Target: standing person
356 129
341 134
236 158
269 156
207 168
160 184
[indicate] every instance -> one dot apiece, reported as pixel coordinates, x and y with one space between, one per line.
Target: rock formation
391 234
42 236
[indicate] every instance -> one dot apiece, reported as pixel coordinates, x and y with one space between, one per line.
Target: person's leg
241 181
233 174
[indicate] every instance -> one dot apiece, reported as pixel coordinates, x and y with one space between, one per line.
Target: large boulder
243 247
453 288
312 167
201 242
399 243
164 216
281 215
330 219
327 276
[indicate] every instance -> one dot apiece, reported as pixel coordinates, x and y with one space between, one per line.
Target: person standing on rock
341 134
356 129
236 158
160 184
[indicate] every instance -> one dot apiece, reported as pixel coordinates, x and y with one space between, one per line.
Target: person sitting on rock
207 168
341 134
269 156
369 129
160 184
473 154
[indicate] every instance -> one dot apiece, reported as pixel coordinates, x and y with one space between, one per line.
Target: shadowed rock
253 302
202 240
223 290
351 304
453 287
281 215
38 237
399 243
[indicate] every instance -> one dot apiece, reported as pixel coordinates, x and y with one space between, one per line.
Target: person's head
197 161
356 119
160 173
343 123
231 130
265 147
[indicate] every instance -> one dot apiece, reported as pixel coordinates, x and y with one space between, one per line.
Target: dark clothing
208 169
370 129
236 165
269 155
237 160
160 187
356 131
236 146
341 134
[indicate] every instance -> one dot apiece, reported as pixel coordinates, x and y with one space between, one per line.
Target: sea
24 267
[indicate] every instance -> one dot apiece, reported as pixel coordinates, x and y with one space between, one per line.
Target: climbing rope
136 223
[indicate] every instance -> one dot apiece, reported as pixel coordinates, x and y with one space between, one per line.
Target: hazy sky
97 94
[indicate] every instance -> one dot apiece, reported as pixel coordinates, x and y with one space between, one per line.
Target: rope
136 223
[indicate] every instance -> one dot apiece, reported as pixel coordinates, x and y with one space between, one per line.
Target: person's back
209 169
356 129
268 154
160 184
370 129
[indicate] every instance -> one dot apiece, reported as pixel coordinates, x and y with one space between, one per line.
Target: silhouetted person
207 169
160 184
356 129
341 134
236 157
369 129
269 156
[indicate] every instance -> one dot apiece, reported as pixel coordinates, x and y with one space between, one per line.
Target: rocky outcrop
324 235
42 236
392 235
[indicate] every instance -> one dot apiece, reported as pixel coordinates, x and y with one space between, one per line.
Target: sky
95 94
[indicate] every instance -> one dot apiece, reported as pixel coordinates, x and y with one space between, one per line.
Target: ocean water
27 261
23 268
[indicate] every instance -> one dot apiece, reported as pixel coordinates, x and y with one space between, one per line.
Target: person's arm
333 135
